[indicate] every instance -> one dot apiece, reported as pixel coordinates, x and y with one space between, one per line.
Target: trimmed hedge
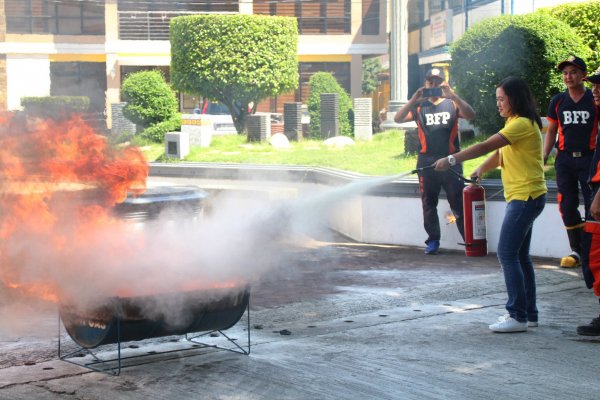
235 59
55 107
529 46
156 132
149 98
584 18
325 82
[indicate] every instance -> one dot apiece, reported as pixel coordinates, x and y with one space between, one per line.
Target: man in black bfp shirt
437 121
572 129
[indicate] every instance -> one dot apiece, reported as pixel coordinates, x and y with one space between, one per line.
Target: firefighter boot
573 260
591 329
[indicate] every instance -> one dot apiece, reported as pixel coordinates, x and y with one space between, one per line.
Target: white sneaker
509 325
530 324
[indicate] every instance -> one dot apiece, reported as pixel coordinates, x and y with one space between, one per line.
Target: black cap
573 60
593 77
435 73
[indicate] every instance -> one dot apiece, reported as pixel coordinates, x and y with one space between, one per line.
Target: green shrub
324 82
55 106
156 133
149 98
529 46
584 18
371 67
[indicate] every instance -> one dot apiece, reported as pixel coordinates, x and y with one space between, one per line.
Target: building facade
87 47
434 24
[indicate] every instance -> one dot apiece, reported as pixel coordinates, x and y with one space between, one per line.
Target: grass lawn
384 155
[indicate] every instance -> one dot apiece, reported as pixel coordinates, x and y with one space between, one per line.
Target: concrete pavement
364 322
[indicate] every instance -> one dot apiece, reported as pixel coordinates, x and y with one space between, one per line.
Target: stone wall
120 124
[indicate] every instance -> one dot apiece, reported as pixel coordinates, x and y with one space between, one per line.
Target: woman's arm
494 142
492 162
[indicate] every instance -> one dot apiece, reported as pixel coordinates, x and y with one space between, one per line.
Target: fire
450 218
58 183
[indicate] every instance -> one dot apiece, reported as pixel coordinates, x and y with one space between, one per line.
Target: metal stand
108 365
93 365
237 348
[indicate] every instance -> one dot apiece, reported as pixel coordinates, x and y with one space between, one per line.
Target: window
62 17
188 6
340 70
415 13
370 20
79 79
315 17
435 6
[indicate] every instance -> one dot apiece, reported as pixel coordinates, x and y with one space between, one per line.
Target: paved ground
363 321
338 320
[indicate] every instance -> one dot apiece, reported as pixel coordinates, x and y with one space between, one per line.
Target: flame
450 218
58 183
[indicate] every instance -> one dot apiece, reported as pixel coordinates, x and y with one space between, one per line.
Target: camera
432 92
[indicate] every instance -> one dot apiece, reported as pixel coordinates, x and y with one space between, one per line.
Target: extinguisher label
478 208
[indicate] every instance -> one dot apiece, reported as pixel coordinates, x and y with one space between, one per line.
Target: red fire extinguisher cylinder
474 218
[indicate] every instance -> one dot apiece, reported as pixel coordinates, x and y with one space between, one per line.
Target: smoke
68 247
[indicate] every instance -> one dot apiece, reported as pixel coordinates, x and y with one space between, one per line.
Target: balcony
150 25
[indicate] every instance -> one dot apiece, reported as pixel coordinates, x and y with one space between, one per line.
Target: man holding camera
436 110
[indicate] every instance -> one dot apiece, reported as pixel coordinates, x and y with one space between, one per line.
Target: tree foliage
235 59
325 82
529 46
584 18
371 67
149 98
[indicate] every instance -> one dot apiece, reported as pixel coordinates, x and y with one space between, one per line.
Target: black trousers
572 173
430 184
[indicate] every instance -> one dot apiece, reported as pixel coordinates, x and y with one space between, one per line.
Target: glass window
415 12
370 21
315 17
435 6
79 79
71 17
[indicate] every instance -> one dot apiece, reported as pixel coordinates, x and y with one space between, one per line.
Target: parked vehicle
220 116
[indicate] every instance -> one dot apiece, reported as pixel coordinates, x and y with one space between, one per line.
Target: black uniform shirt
438 127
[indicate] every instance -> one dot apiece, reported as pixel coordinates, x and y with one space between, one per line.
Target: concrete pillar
3 77
363 119
199 128
398 54
258 127
292 121
177 144
330 118
113 70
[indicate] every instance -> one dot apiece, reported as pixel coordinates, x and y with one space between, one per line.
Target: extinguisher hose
463 178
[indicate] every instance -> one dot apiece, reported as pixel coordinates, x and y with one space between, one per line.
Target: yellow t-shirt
522 162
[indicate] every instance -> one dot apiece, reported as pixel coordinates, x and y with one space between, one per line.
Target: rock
339 141
279 141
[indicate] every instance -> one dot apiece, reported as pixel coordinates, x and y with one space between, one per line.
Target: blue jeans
513 254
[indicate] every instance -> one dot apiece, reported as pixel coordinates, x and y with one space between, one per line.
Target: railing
150 25
154 25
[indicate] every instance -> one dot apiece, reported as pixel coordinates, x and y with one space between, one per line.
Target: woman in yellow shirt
517 150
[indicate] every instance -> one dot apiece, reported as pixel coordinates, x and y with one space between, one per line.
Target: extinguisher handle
465 179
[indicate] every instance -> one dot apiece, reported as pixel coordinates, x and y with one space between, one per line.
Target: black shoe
591 329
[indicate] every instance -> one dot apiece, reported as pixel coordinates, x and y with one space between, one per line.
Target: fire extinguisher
474 218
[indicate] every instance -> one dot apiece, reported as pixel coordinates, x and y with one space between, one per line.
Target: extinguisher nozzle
421 169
